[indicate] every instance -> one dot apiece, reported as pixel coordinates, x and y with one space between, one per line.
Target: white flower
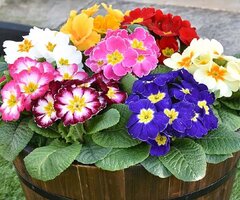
47 41
14 50
233 68
217 79
67 55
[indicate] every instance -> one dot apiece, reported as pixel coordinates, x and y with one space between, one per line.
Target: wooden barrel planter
83 182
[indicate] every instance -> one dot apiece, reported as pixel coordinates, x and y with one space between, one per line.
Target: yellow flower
112 20
80 28
91 11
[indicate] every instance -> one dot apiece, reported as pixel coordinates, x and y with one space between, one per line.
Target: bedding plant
140 84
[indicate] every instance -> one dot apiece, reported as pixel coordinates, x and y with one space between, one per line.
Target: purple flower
145 122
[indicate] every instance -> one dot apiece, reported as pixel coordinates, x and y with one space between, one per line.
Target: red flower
167 46
138 16
187 34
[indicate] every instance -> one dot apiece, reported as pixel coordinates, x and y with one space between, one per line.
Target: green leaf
14 137
230 118
50 132
116 136
220 141
46 163
92 152
237 55
186 160
127 83
233 102
71 134
156 167
161 69
104 121
3 67
132 27
119 159
215 159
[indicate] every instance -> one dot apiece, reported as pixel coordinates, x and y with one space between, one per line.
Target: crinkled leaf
229 117
71 134
46 163
186 160
50 132
215 159
161 69
116 136
127 83
119 159
103 121
156 167
221 141
14 137
233 102
92 152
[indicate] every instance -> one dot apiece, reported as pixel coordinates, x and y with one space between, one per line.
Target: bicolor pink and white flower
70 72
113 95
44 112
13 102
33 84
76 105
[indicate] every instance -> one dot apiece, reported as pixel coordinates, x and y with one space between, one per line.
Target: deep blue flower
145 122
160 146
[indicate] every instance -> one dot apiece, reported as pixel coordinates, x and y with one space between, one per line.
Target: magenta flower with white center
13 102
76 105
70 72
44 112
33 84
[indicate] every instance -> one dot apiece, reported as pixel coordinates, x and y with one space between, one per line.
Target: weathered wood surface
82 182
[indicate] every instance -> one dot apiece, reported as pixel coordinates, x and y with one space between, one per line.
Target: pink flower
114 96
119 32
25 63
115 57
69 73
33 84
12 102
44 112
76 105
147 49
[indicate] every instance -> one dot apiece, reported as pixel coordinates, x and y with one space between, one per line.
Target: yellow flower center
161 140
154 98
100 63
63 61
136 44
76 104
111 93
30 88
49 109
171 114
115 57
185 91
186 61
25 46
12 101
167 33
167 52
203 104
145 116
202 59
138 20
195 117
217 73
140 58
50 46
67 76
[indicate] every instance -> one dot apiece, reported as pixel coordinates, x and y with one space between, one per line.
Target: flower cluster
166 28
120 53
205 60
85 30
52 46
165 106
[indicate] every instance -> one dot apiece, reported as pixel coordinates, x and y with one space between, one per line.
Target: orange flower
91 11
80 28
111 20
